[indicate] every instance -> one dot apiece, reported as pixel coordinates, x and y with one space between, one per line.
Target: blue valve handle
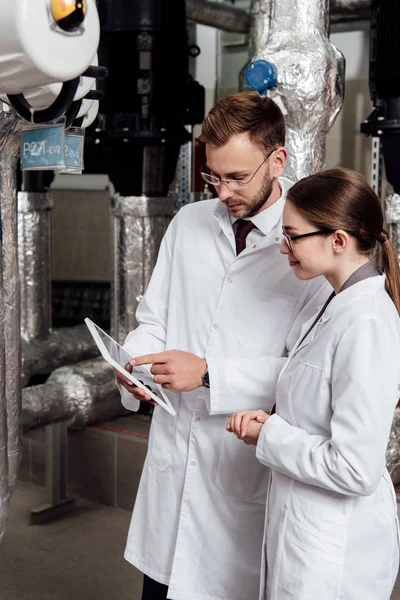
261 76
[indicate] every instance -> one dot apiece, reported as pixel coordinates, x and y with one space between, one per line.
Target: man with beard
215 324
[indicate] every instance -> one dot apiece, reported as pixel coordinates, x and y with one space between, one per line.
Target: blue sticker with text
73 151
42 148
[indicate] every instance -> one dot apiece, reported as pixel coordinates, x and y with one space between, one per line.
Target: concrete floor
78 557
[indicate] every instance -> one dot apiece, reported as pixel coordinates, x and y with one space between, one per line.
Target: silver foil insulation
138 226
310 87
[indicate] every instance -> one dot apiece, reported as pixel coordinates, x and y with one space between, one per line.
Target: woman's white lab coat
331 529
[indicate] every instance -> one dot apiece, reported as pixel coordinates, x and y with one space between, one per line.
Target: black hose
95 72
94 95
60 105
72 112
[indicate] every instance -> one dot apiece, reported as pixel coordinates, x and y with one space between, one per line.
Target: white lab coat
331 530
197 524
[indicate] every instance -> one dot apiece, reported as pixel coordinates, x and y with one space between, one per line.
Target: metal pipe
138 226
218 15
9 151
83 394
343 11
35 263
10 402
310 85
236 20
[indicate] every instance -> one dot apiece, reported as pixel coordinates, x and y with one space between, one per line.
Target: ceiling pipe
229 18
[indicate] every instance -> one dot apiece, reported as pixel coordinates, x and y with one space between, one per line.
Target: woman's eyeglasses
292 238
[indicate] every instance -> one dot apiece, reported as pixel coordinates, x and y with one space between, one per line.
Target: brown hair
342 199
245 112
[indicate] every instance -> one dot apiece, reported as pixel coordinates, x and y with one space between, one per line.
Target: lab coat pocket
162 438
312 554
239 474
268 316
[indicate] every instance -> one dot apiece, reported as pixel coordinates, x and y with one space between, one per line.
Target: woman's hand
247 425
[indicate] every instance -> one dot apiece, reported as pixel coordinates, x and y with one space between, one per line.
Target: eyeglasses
289 239
293 238
233 184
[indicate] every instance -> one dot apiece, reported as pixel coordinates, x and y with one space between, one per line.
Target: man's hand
247 425
175 370
137 392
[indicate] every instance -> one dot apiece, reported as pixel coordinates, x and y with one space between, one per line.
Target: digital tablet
117 357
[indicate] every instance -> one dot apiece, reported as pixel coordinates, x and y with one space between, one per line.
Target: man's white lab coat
331 525
197 524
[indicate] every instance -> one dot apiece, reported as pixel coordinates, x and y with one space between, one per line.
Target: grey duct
65 346
82 394
228 18
310 86
34 264
138 226
42 350
9 152
10 341
350 11
218 15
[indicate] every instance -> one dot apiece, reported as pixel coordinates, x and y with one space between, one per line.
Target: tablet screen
118 358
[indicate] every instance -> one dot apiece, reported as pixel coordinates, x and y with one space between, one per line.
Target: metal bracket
376 166
56 476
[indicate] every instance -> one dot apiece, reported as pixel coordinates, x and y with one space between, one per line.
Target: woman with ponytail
331 528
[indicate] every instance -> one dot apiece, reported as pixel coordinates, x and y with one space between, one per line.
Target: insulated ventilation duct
310 76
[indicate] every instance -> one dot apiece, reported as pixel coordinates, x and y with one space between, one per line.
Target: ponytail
390 265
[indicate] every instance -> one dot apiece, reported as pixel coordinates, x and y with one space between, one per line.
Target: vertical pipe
10 343
35 263
138 226
310 85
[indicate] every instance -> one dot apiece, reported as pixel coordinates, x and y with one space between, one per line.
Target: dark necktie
243 229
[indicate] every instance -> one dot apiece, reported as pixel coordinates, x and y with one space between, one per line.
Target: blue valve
261 76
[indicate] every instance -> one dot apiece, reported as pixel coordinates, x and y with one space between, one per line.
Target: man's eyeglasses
292 238
233 184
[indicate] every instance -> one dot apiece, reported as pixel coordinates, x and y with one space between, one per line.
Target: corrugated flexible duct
81 394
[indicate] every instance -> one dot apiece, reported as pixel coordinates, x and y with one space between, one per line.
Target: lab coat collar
265 220
370 283
366 280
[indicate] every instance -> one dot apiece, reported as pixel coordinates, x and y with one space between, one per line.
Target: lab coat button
197 419
229 280
215 326
193 463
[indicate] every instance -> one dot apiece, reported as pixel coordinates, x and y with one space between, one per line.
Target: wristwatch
206 379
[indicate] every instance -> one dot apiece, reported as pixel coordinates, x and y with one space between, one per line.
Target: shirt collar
265 220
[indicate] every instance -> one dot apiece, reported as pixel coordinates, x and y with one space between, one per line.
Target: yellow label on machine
69 14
